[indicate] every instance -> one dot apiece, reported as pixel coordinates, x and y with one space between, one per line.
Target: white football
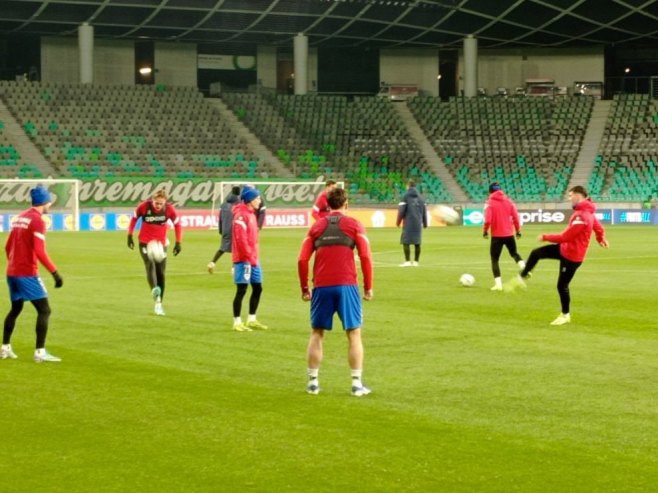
446 214
467 280
155 251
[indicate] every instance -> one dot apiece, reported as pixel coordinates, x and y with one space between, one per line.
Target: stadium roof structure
345 23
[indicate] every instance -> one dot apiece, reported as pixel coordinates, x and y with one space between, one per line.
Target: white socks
356 378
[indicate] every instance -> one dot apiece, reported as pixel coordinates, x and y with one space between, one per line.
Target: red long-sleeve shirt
26 244
154 223
334 265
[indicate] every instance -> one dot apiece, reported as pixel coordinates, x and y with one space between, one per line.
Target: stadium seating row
528 144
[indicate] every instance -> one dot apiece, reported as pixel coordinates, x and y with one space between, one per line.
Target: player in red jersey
321 206
155 214
26 245
335 287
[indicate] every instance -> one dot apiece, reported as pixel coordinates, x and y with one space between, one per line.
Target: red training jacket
501 215
574 241
245 234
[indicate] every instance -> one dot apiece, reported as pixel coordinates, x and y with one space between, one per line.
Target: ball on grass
467 280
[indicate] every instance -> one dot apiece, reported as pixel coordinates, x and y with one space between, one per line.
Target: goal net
276 194
64 213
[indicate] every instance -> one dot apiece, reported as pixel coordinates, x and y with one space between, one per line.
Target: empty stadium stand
361 140
88 131
625 168
529 145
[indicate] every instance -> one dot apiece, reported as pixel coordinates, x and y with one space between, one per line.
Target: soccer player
502 217
26 244
569 247
335 288
246 265
412 214
225 226
155 213
321 206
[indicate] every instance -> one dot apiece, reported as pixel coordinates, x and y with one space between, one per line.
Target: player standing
246 264
155 213
335 287
26 244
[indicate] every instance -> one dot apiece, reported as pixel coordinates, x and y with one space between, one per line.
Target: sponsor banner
127 192
634 216
542 216
473 217
200 219
206 219
604 216
384 218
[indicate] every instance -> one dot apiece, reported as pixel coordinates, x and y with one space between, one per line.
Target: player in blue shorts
335 290
246 265
26 245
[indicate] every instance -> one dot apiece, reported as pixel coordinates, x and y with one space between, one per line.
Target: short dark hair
411 183
235 190
336 198
328 183
579 189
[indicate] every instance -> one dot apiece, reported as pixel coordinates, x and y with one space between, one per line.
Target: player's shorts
26 288
343 300
243 273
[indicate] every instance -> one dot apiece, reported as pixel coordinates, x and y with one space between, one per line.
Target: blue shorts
343 300
243 273
26 288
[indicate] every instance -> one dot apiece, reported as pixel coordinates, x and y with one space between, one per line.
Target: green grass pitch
472 390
